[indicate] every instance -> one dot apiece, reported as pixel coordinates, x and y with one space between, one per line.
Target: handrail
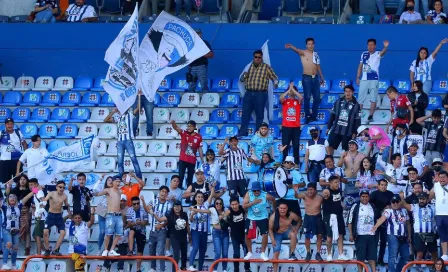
212 266
408 264
145 258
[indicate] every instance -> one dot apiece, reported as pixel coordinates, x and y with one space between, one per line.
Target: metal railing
409 264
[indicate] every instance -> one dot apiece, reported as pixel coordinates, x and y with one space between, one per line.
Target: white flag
66 159
170 45
122 79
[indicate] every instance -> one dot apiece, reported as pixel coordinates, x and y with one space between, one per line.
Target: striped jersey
125 127
200 220
76 14
396 221
234 159
422 72
11 145
345 117
11 216
370 65
424 218
137 216
160 209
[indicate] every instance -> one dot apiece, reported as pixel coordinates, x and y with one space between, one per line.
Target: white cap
289 159
199 170
124 197
361 128
439 160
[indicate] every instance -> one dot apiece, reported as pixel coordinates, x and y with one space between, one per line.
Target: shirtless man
54 217
281 228
310 81
351 159
313 224
114 217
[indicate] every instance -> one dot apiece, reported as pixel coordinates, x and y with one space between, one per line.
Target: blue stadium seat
55 144
384 19
3 127
274 131
302 149
220 85
51 98
28 130
244 146
4 113
31 98
21 114
323 133
106 101
180 85
292 6
235 116
48 131
324 20
249 167
165 85
283 84
281 20
322 117
12 99
276 100
440 87
234 88
328 100
250 132
303 20
298 84
98 85
71 99
228 131
40 115
60 115
305 133
209 131
90 99
277 118
170 100
83 84
67 131
383 84
338 85
215 146
402 85
229 100
157 100
219 116
360 19
435 102
302 117
211 6
80 115
325 86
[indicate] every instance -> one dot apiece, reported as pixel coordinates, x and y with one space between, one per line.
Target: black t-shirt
177 225
428 179
41 3
202 60
81 199
205 188
333 205
21 194
236 222
381 199
412 199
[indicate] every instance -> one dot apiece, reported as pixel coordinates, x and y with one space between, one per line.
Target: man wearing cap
375 136
416 160
256 203
291 121
351 160
190 144
432 176
434 134
424 237
131 189
412 179
197 70
137 220
440 193
394 171
293 180
316 148
361 219
398 233
200 185
262 142
331 170
12 145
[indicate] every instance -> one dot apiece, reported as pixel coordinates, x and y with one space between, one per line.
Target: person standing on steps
316 149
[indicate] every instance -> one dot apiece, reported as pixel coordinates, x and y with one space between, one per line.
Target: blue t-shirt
296 179
262 144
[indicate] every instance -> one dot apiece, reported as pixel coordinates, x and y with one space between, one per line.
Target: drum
273 185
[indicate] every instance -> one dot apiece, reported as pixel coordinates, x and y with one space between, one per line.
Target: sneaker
191 268
130 253
370 119
6 267
56 252
113 253
248 256
342 257
264 257
293 257
318 257
47 253
329 258
445 258
105 253
308 256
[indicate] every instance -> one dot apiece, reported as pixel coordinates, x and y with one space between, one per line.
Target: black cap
177 203
395 198
233 138
264 125
7 120
191 122
364 192
312 185
423 195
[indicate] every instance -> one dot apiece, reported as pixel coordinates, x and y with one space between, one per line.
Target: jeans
236 243
396 247
221 244
199 239
311 86
114 225
314 170
45 16
127 145
149 108
14 240
201 72
253 101
190 168
291 134
187 8
157 240
180 245
102 231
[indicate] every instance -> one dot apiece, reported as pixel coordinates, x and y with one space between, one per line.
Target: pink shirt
384 141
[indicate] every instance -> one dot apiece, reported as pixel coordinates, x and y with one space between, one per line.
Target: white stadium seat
112 148
24 83
147 164
210 100
161 115
105 164
44 83
102 148
157 148
381 117
36 267
180 115
98 115
63 83
7 84
154 181
86 130
167 132
107 131
174 149
167 164
200 116
56 266
141 148
189 100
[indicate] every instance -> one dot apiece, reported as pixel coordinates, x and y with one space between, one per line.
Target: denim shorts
279 237
114 224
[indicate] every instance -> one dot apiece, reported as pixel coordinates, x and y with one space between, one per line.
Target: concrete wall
16 7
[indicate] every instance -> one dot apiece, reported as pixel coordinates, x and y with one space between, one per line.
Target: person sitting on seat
410 14
45 11
80 12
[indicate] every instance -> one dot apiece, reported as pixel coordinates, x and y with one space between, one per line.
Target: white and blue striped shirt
11 216
423 71
370 65
76 14
200 220
161 210
424 218
125 127
396 221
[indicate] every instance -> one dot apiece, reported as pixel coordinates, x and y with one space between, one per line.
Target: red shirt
189 145
401 102
291 112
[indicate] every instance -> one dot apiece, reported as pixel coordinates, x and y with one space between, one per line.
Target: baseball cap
199 170
437 160
353 142
123 197
364 192
264 124
289 159
314 128
395 198
191 122
9 120
256 186
423 195
361 128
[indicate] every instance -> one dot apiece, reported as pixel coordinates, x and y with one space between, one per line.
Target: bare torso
113 200
309 68
352 162
312 205
285 224
56 201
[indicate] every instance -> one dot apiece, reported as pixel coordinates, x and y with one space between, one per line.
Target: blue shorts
114 224
279 237
55 219
442 227
445 154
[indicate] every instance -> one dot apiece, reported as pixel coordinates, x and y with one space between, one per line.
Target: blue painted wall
78 49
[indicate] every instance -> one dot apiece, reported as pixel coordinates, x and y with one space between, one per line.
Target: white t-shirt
441 199
80 235
214 216
365 219
40 213
33 156
418 161
11 147
436 18
76 14
317 151
423 71
410 17
370 65
396 173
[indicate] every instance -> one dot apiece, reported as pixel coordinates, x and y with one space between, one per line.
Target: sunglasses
218 203
395 202
288 162
135 204
257 57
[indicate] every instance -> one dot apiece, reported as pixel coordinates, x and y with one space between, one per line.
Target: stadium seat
228 131
274 131
170 100
322 117
63 83
157 148
219 116
435 102
174 149
381 117
105 164
277 117
180 115
167 164
18 19
154 181
215 146
21 114
235 116
80 115
119 19
167 132
98 115
303 20
12 99
302 117
83 84
324 20
209 131
165 85
106 101
111 148
440 87
24 83
209 100
40 115
200 116
44 83
403 86
180 85
67 131
90 99
230 100
250 132
157 100
220 85
147 164
283 84
385 103
298 84
325 86
107 131
70 99
383 84
328 100
234 88
98 84
334 268
360 19
128 165
86 130
51 98
37 267
48 131
7 83
189 100
55 144
31 98
281 20
28 130
102 148
276 100
4 113
338 85
305 133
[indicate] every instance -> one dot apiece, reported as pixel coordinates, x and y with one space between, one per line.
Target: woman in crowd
220 231
419 100
212 167
436 15
365 179
101 209
266 162
439 265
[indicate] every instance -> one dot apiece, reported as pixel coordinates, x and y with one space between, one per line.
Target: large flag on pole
269 107
122 79
66 159
170 45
